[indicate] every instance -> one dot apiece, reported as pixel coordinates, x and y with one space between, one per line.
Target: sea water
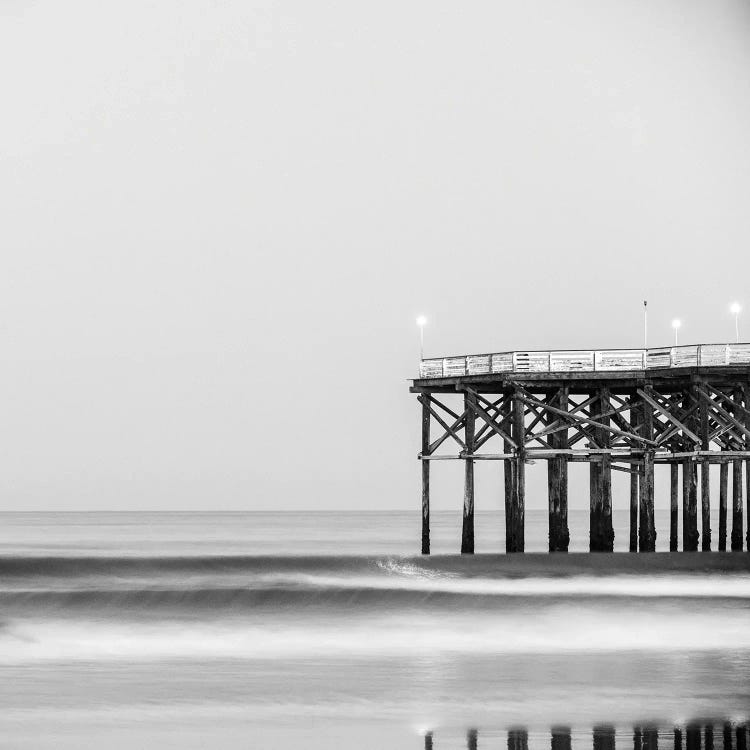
325 630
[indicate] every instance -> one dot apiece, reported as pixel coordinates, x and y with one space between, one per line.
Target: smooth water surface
240 630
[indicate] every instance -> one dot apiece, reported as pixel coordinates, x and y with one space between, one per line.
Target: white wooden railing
604 360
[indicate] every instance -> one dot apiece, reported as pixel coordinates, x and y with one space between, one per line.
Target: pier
626 410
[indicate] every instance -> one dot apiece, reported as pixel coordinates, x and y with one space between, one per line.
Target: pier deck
618 410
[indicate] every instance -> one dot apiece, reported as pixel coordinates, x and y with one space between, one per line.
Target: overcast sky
220 219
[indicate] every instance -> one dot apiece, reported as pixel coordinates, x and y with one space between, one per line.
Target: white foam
425 581
564 628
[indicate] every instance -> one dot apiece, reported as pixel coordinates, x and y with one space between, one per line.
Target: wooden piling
736 543
425 475
723 488
604 738
634 481
516 521
677 738
705 480
741 736
689 507
601 531
708 734
693 737
557 484
518 739
650 738
689 491
467 532
472 739
560 738
674 498
746 403
737 530
727 734
647 526
509 469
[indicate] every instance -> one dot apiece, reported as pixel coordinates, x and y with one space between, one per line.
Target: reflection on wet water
698 736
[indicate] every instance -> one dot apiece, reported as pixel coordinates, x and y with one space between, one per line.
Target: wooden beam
724 413
588 420
455 427
441 422
473 404
665 413
561 424
485 433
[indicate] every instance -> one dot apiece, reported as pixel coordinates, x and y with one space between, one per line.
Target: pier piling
723 489
690 485
516 522
601 531
425 475
604 738
674 498
557 479
560 738
705 479
467 534
647 527
518 739
737 530
634 480
693 737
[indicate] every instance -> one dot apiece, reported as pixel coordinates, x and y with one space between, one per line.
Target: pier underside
689 418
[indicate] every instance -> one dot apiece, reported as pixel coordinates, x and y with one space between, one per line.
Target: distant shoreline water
377 532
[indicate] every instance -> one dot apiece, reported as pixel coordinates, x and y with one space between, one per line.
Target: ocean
286 630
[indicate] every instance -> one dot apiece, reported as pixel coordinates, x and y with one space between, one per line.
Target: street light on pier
676 325
736 309
421 322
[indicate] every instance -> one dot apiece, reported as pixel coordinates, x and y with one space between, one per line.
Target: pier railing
601 360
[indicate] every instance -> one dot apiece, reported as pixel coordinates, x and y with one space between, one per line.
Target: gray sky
220 219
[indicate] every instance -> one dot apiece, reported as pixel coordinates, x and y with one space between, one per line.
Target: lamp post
645 324
421 322
736 309
676 325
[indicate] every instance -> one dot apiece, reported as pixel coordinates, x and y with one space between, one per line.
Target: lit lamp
676 325
735 308
421 322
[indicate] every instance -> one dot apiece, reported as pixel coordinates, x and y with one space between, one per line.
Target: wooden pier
627 410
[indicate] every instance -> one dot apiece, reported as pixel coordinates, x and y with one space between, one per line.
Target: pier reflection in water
697 736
